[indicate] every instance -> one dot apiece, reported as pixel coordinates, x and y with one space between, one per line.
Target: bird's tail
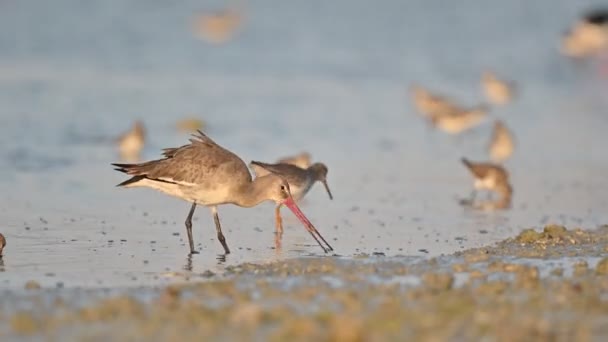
124 168
130 169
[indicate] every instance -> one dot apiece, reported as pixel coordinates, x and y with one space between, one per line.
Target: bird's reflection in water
221 258
279 254
188 265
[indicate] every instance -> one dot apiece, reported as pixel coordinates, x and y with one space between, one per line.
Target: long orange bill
289 203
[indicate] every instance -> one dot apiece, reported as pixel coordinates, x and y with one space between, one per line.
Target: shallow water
328 78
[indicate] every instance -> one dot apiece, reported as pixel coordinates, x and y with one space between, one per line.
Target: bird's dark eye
282 187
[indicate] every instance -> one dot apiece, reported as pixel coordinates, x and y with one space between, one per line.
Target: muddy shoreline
548 284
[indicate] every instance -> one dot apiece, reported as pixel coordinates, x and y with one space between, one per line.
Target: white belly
190 194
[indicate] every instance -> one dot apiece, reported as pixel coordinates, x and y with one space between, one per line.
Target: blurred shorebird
458 121
588 36
219 27
2 244
190 125
300 181
301 160
491 177
501 144
132 142
204 173
497 91
430 105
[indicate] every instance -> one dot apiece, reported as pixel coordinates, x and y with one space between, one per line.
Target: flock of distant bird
453 118
586 38
204 173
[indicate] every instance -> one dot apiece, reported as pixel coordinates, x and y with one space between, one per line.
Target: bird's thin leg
218 227
278 226
189 228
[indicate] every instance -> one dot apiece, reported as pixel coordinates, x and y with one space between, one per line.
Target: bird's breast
300 189
487 183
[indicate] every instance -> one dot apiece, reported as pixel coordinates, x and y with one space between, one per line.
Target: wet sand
548 284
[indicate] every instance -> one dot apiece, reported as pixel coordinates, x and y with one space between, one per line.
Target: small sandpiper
218 27
458 121
431 105
588 36
300 181
497 91
189 125
2 244
491 177
501 144
132 142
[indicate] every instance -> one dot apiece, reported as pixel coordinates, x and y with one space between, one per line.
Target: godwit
206 174
497 91
501 144
132 142
300 181
491 177
460 120
588 36
2 243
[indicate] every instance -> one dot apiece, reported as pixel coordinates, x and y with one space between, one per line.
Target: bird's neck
314 175
315 172
255 192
